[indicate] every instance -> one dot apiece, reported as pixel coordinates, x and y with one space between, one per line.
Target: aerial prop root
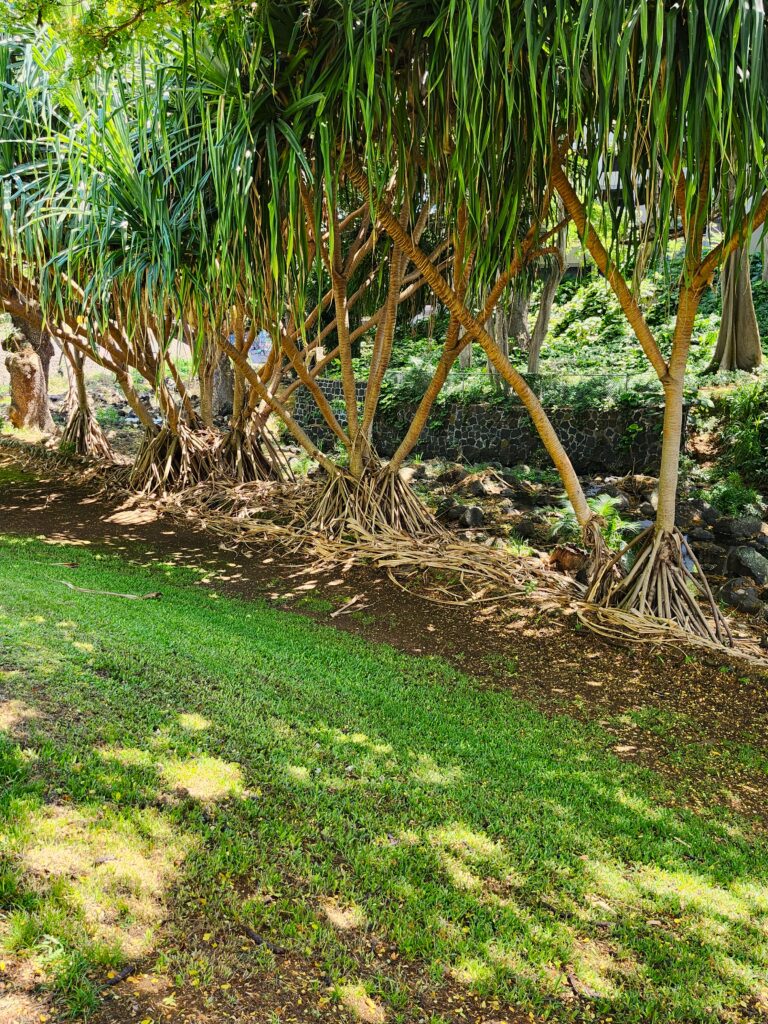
173 459
249 455
660 586
377 501
83 436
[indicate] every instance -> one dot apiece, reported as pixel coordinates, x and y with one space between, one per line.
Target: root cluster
171 460
660 588
83 436
378 502
247 457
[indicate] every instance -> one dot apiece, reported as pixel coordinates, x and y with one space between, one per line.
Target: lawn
172 770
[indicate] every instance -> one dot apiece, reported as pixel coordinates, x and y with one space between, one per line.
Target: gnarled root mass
600 561
378 502
661 588
248 456
83 436
171 460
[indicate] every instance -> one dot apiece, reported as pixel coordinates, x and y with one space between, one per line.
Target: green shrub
614 528
746 433
732 497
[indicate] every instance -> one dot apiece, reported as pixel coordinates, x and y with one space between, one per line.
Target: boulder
742 594
708 514
745 561
410 473
452 475
472 517
713 557
525 529
698 535
738 528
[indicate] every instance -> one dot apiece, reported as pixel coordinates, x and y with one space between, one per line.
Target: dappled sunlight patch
638 805
458 872
428 771
472 972
691 891
129 757
611 881
357 1001
357 739
114 870
194 722
343 917
298 773
14 714
22 1008
597 965
465 842
204 777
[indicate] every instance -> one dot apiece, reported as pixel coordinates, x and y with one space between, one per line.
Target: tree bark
738 341
223 391
28 363
548 292
29 392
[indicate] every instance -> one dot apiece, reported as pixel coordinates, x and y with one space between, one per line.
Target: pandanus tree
670 98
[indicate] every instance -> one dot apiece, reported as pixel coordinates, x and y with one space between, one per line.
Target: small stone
472 517
646 510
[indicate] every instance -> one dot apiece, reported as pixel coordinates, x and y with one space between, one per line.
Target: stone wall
617 440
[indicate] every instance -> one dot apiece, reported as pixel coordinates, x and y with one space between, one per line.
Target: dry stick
154 596
446 294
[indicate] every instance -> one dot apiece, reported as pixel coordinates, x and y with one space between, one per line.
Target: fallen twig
154 596
261 941
347 606
125 973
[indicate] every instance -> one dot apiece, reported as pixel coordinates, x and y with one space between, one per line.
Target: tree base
246 457
83 436
377 502
661 586
172 460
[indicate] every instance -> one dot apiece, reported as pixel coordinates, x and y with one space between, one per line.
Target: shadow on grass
211 760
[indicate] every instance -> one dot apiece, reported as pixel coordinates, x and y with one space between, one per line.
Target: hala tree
675 107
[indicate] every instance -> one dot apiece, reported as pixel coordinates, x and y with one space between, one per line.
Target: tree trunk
548 292
29 392
205 379
738 341
223 392
500 327
28 363
465 356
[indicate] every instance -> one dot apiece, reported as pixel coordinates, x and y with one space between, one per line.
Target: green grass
193 755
